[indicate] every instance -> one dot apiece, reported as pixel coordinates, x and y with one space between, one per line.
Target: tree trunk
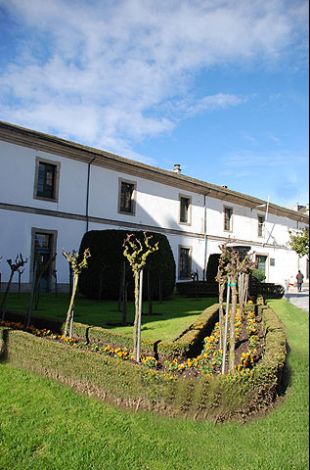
69 317
135 327
32 293
19 281
241 293
4 300
139 317
226 327
221 313
246 288
232 339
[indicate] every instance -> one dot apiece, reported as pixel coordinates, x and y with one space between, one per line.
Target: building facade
52 191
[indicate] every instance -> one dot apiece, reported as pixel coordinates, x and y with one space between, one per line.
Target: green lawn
170 317
46 426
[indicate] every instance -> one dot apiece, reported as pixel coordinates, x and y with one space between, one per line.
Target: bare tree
76 267
137 253
14 266
232 273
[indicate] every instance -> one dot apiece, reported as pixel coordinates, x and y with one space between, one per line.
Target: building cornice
48 143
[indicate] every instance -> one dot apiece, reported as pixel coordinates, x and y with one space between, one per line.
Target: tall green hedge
103 277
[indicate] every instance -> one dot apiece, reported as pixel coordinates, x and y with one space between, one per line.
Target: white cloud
283 173
103 72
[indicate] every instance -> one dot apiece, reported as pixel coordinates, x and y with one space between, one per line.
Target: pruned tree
15 266
221 278
233 275
76 267
246 267
137 253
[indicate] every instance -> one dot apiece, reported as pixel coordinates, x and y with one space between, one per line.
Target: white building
52 191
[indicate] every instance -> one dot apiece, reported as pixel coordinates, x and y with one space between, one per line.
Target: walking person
300 280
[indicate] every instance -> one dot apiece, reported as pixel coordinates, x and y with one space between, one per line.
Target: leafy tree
258 275
299 242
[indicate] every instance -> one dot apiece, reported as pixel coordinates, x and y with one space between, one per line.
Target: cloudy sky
219 86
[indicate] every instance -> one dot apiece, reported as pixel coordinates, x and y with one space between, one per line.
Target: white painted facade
157 207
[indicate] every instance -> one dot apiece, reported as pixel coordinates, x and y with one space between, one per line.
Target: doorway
261 262
44 243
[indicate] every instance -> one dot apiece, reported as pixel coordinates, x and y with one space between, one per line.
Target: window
126 197
272 262
185 204
228 212
261 225
43 251
185 263
46 180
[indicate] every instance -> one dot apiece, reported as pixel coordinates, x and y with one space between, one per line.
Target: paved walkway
300 299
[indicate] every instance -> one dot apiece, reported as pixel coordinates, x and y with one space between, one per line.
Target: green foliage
258 275
102 278
299 242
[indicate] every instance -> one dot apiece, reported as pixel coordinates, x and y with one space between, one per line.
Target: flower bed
187 344
108 373
180 357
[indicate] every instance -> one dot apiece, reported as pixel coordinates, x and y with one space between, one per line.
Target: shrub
103 276
258 275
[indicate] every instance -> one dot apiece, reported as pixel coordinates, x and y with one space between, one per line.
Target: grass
170 317
46 425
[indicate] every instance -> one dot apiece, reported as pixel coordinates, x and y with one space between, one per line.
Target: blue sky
219 86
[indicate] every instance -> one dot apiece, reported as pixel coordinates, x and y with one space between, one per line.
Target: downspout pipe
205 236
87 192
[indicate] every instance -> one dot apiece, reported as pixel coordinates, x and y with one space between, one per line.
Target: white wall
157 205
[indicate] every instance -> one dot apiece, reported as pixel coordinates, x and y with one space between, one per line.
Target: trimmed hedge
219 398
268 290
186 345
197 288
102 278
190 342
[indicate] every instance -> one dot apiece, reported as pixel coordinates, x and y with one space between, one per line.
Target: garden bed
187 344
245 392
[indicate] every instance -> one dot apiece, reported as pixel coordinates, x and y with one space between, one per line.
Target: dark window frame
54 236
260 225
188 221
55 190
182 274
231 210
121 210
